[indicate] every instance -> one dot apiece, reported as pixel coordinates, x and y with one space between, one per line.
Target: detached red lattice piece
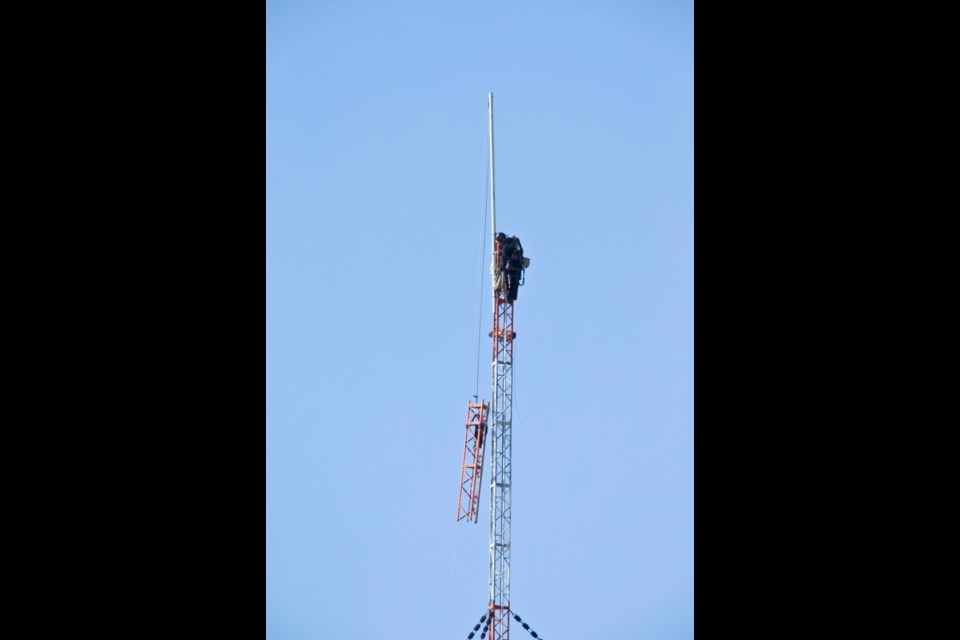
471 470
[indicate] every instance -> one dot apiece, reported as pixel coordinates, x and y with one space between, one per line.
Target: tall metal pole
493 192
493 391
501 405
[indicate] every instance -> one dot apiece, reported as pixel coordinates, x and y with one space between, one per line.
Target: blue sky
375 136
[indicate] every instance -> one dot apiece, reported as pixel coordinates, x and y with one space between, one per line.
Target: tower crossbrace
500 464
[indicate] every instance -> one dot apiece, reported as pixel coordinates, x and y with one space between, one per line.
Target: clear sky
375 134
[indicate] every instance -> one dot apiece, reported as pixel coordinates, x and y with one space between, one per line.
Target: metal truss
500 466
471 467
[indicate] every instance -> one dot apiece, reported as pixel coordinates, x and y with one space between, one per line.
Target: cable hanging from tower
483 250
476 356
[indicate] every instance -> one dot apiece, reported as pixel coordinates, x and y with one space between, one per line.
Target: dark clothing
513 284
511 264
511 255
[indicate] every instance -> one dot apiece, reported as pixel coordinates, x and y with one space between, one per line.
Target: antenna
507 263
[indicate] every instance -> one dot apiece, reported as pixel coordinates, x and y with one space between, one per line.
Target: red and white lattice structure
500 466
498 432
471 469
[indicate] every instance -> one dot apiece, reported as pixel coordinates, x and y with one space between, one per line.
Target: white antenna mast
501 405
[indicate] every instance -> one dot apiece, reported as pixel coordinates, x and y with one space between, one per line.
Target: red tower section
500 484
471 468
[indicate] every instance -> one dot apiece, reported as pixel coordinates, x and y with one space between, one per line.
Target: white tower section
500 441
